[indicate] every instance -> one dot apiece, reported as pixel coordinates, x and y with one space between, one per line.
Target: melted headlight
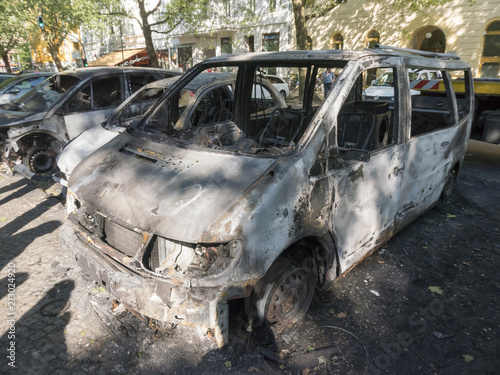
169 257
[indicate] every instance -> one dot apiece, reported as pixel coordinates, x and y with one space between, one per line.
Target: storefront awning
116 58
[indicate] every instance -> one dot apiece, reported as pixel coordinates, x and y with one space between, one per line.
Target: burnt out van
242 193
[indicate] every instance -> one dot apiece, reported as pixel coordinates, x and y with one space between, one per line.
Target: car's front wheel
40 160
283 296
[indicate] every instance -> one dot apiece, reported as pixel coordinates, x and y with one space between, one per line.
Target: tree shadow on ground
42 350
14 245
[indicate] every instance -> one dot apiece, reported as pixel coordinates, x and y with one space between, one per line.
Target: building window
249 41
271 42
373 38
185 57
226 46
338 41
490 61
227 7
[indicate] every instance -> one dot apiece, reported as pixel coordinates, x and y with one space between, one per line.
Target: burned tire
449 185
40 160
283 296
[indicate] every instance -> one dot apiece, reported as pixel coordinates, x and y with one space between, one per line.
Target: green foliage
12 30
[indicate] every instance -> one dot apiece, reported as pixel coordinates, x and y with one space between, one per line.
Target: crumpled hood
163 188
83 145
9 118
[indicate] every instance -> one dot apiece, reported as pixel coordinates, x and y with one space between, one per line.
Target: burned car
131 111
261 197
18 85
36 125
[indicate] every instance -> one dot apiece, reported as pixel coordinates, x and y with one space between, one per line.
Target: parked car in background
227 195
279 83
382 87
36 125
4 77
18 85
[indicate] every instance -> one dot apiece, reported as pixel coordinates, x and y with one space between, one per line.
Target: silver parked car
18 85
35 126
257 198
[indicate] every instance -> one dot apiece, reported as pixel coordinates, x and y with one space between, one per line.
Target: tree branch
169 30
323 9
154 9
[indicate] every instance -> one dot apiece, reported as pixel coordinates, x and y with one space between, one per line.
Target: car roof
84 73
428 59
199 81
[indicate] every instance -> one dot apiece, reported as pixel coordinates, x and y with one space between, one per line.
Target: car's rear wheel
283 94
449 185
283 296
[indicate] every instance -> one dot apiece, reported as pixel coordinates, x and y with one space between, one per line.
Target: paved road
52 336
480 180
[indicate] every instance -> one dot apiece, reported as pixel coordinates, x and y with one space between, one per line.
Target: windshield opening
258 109
44 96
135 108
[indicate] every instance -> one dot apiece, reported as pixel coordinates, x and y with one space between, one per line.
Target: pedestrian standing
328 78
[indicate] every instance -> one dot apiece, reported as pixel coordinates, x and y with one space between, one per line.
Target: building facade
70 54
470 30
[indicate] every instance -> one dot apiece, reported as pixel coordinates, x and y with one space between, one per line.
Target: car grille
122 239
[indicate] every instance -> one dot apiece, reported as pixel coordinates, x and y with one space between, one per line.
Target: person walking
328 78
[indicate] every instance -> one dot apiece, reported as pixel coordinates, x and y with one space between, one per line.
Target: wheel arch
318 254
45 138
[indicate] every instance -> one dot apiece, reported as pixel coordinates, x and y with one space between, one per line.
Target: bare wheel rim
449 185
41 160
286 295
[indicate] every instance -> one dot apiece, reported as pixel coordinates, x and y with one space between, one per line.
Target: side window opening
368 119
213 107
432 102
98 94
82 101
140 105
106 92
139 80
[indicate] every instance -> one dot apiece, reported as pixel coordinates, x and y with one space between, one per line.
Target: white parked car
382 87
279 83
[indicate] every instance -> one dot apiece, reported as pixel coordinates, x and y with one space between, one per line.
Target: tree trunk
301 36
300 23
5 58
54 52
146 30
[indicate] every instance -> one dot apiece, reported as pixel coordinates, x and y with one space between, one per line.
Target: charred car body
36 125
250 196
128 113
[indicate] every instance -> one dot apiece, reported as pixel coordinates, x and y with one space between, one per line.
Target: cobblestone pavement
63 324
